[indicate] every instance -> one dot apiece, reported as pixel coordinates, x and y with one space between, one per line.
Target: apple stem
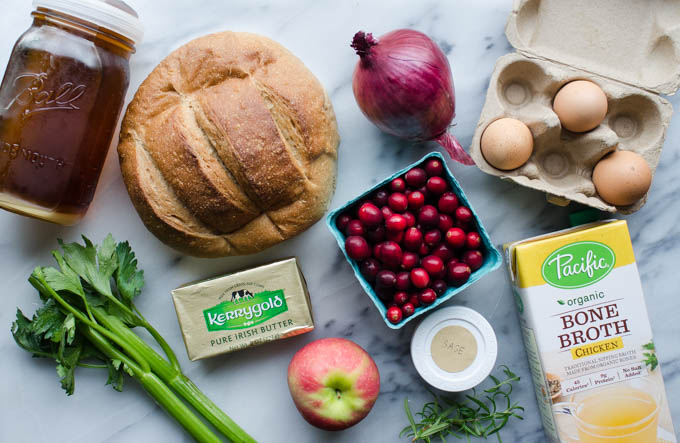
338 393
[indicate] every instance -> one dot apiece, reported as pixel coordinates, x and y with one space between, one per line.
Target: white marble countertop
251 385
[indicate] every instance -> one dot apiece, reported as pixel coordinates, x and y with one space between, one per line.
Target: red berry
410 219
433 265
445 222
395 222
413 238
398 185
369 269
403 282
464 226
451 260
474 259
380 198
398 202
455 237
394 314
432 237
463 214
376 235
428 216
377 249
416 177
439 286
408 309
437 185
428 296
458 273
414 300
400 298
416 200
423 190
386 211
370 215
386 279
390 254
409 260
448 203
442 251
342 221
385 294
434 167
357 247
420 278
423 250
355 227
395 236
474 240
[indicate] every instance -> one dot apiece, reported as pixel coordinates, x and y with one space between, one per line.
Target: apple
334 383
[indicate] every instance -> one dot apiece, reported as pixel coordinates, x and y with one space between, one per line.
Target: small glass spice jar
60 100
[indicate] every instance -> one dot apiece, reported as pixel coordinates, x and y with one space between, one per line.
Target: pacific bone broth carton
588 338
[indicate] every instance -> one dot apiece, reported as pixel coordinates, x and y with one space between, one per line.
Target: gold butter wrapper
244 309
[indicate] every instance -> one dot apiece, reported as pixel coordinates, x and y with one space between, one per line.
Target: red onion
403 84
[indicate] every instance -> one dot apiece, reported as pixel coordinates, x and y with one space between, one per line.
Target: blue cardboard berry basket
492 258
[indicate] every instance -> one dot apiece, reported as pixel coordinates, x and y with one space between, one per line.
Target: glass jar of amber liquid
60 100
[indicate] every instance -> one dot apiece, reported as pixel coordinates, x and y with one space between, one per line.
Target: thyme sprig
475 416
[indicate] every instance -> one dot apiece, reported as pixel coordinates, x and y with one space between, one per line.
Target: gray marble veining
251 385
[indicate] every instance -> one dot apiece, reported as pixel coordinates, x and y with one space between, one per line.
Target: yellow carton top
528 258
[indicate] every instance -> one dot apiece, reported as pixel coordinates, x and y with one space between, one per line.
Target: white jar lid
464 347
112 14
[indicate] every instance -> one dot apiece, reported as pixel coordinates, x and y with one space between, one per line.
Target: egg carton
558 42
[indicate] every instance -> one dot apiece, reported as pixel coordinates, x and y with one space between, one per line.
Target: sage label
578 265
244 311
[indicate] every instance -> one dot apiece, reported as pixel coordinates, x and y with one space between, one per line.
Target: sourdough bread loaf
229 146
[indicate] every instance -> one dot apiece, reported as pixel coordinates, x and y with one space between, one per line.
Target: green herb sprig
471 417
650 357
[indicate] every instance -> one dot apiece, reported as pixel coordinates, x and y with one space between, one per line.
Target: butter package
244 309
588 338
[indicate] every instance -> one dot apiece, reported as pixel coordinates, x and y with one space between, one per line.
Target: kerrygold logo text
578 265
244 314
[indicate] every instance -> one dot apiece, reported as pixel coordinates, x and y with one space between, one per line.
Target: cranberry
377 249
380 198
386 279
394 315
370 215
451 260
416 177
432 237
420 278
442 251
448 203
458 273
465 226
434 167
463 214
474 259
423 250
385 294
386 211
474 240
342 221
414 300
413 238
395 236
357 247
428 216
369 269
390 254
395 222
437 185
416 200
439 286
355 227
398 185
400 298
410 219
376 235
408 309
433 265
398 202
403 282
445 222
409 260
423 190
428 296
455 237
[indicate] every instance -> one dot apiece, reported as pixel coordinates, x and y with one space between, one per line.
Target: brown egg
581 105
507 144
622 178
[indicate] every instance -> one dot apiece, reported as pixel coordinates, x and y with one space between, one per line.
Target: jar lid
110 14
454 349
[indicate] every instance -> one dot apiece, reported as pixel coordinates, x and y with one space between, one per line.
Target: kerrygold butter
243 309
588 338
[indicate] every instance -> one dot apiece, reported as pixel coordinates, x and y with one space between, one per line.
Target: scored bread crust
229 146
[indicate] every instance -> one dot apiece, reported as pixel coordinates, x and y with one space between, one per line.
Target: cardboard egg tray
630 48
